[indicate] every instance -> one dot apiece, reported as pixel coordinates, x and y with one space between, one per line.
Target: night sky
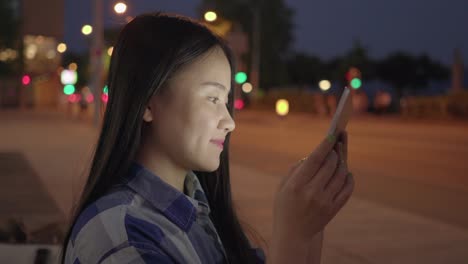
328 28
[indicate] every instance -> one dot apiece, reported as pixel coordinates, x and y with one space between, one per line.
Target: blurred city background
408 136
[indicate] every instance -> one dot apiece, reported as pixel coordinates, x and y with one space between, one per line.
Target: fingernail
331 138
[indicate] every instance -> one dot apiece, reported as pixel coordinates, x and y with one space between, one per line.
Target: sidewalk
57 150
24 197
44 156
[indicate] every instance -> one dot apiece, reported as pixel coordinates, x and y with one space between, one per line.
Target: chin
209 167
212 169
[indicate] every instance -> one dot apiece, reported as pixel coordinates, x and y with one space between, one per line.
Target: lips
218 142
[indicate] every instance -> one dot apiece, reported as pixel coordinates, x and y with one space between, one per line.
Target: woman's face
190 120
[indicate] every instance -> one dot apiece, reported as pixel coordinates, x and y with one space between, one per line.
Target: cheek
190 131
201 126
186 133
198 113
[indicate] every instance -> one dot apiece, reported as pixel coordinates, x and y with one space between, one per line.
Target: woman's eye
214 99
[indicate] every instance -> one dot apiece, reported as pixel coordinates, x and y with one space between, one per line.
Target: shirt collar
178 207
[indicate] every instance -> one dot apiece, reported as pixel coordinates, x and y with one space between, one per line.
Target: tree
305 69
405 72
357 57
275 32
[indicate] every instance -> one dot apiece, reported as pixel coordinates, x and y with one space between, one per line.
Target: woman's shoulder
123 221
106 209
100 226
117 220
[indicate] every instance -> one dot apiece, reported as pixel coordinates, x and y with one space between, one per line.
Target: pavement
44 157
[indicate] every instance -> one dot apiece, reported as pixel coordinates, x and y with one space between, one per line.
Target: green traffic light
106 89
69 89
241 77
356 83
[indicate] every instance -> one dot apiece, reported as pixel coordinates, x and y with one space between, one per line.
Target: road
416 166
409 206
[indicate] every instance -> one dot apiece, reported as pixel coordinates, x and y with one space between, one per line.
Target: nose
227 123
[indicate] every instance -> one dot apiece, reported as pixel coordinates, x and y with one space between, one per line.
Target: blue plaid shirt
146 220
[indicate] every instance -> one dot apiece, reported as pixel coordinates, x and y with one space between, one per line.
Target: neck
163 168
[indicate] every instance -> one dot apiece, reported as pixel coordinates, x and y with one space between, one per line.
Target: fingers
343 195
343 137
320 153
292 170
296 166
337 181
313 163
333 179
325 173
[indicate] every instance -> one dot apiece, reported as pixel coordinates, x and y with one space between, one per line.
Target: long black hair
150 49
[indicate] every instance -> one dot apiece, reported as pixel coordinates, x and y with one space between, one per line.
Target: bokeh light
73 66
110 50
26 79
105 97
68 77
74 98
87 29
240 77
89 98
61 47
239 104
69 89
282 107
210 16
120 8
247 87
324 85
356 83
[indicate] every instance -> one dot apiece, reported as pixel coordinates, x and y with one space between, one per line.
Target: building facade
34 82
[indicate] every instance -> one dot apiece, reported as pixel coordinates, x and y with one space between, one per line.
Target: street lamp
96 52
73 66
324 85
254 78
86 30
210 16
62 47
120 8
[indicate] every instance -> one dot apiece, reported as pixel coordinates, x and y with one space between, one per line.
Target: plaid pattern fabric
145 220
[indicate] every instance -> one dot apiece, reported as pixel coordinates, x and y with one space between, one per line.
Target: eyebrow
218 85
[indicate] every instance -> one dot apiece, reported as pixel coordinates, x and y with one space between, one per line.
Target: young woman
158 189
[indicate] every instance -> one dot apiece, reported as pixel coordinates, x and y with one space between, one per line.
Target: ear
148 116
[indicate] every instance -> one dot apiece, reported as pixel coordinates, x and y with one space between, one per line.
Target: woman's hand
311 194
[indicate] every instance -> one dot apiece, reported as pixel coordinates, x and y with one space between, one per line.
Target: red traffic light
352 73
26 79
